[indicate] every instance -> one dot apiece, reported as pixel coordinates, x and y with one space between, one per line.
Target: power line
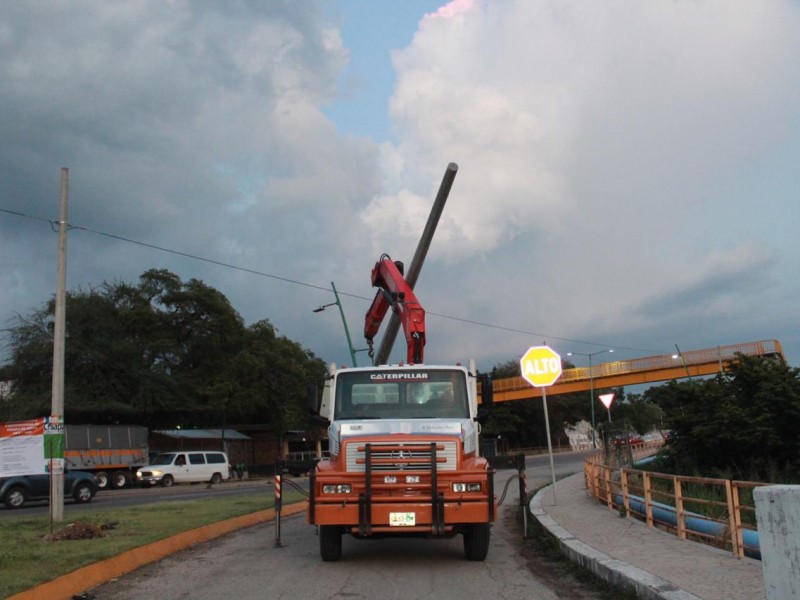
218 263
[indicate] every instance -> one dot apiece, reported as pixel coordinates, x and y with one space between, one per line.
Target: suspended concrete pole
392 327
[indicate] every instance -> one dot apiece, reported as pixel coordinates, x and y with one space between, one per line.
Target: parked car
16 490
629 440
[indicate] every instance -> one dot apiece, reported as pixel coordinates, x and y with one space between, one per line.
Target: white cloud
594 142
627 169
193 128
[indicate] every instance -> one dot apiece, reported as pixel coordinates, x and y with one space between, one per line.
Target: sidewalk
626 552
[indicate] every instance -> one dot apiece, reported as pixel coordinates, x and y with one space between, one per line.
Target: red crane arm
394 291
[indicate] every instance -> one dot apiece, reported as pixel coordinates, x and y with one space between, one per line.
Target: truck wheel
119 479
330 542
167 481
102 480
15 498
216 478
83 493
476 541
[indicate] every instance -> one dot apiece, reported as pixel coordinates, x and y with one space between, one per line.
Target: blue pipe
692 521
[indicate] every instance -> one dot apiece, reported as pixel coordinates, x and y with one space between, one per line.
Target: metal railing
718 512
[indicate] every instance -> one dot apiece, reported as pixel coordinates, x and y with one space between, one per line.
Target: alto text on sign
540 366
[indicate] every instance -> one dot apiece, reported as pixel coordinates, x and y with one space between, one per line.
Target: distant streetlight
591 383
344 322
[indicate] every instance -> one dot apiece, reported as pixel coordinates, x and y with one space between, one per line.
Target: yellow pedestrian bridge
651 369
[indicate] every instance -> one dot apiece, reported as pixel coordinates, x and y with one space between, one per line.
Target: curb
80 580
616 572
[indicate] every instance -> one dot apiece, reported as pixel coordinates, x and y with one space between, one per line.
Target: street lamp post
589 355
344 322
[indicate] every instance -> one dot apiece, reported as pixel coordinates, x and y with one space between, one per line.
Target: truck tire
102 480
330 542
216 478
119 479
167 481
15 497
476 541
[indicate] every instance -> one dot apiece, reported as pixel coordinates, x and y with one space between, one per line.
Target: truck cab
404 458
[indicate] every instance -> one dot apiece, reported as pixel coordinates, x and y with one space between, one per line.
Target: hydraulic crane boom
395 291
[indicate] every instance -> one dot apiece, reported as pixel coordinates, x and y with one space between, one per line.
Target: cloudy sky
628 170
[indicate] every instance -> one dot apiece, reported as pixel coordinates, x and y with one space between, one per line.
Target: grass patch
28 559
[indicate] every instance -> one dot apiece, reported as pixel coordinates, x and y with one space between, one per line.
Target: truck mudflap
428 511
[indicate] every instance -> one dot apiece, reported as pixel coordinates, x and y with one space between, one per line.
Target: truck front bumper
375 508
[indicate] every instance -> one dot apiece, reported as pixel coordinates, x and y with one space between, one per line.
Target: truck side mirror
319 404
487 398
487 390
312 398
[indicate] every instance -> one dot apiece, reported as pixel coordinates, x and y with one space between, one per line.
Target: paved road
248 564
142 496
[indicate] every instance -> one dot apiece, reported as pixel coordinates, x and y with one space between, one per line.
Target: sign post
541 367
607 399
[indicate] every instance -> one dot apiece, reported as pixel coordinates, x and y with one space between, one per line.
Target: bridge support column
778 516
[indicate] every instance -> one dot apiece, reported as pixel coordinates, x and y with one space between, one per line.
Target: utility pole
346 328
56 447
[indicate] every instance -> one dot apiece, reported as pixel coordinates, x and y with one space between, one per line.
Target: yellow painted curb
80 580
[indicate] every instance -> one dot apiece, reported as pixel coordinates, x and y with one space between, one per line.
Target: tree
743 423
161 353
267 380
635 411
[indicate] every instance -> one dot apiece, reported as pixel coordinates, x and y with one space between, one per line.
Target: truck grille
402 456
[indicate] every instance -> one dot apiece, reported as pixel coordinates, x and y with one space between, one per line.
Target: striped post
277 509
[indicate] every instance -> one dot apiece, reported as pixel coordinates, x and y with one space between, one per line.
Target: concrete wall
778 515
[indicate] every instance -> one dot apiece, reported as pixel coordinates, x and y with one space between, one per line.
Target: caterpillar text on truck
404 442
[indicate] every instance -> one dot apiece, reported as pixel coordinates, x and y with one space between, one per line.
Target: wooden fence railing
719 512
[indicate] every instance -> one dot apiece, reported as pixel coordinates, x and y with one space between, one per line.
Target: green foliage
27 558
161 353
743 424
635 412
510 368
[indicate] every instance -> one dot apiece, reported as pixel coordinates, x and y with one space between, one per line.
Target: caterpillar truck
403 442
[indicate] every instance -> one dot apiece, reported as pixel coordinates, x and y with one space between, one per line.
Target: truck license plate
402 519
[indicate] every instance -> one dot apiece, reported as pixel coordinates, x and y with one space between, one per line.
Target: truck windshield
401 394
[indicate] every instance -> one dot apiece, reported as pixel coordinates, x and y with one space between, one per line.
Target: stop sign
540 366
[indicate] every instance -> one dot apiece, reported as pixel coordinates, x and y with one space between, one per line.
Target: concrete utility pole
57 408
412 275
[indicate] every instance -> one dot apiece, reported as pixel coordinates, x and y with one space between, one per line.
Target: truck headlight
337 488
460 488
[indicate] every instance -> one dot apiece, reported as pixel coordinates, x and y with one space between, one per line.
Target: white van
185 467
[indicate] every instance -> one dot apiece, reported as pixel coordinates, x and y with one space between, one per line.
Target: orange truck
404 449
